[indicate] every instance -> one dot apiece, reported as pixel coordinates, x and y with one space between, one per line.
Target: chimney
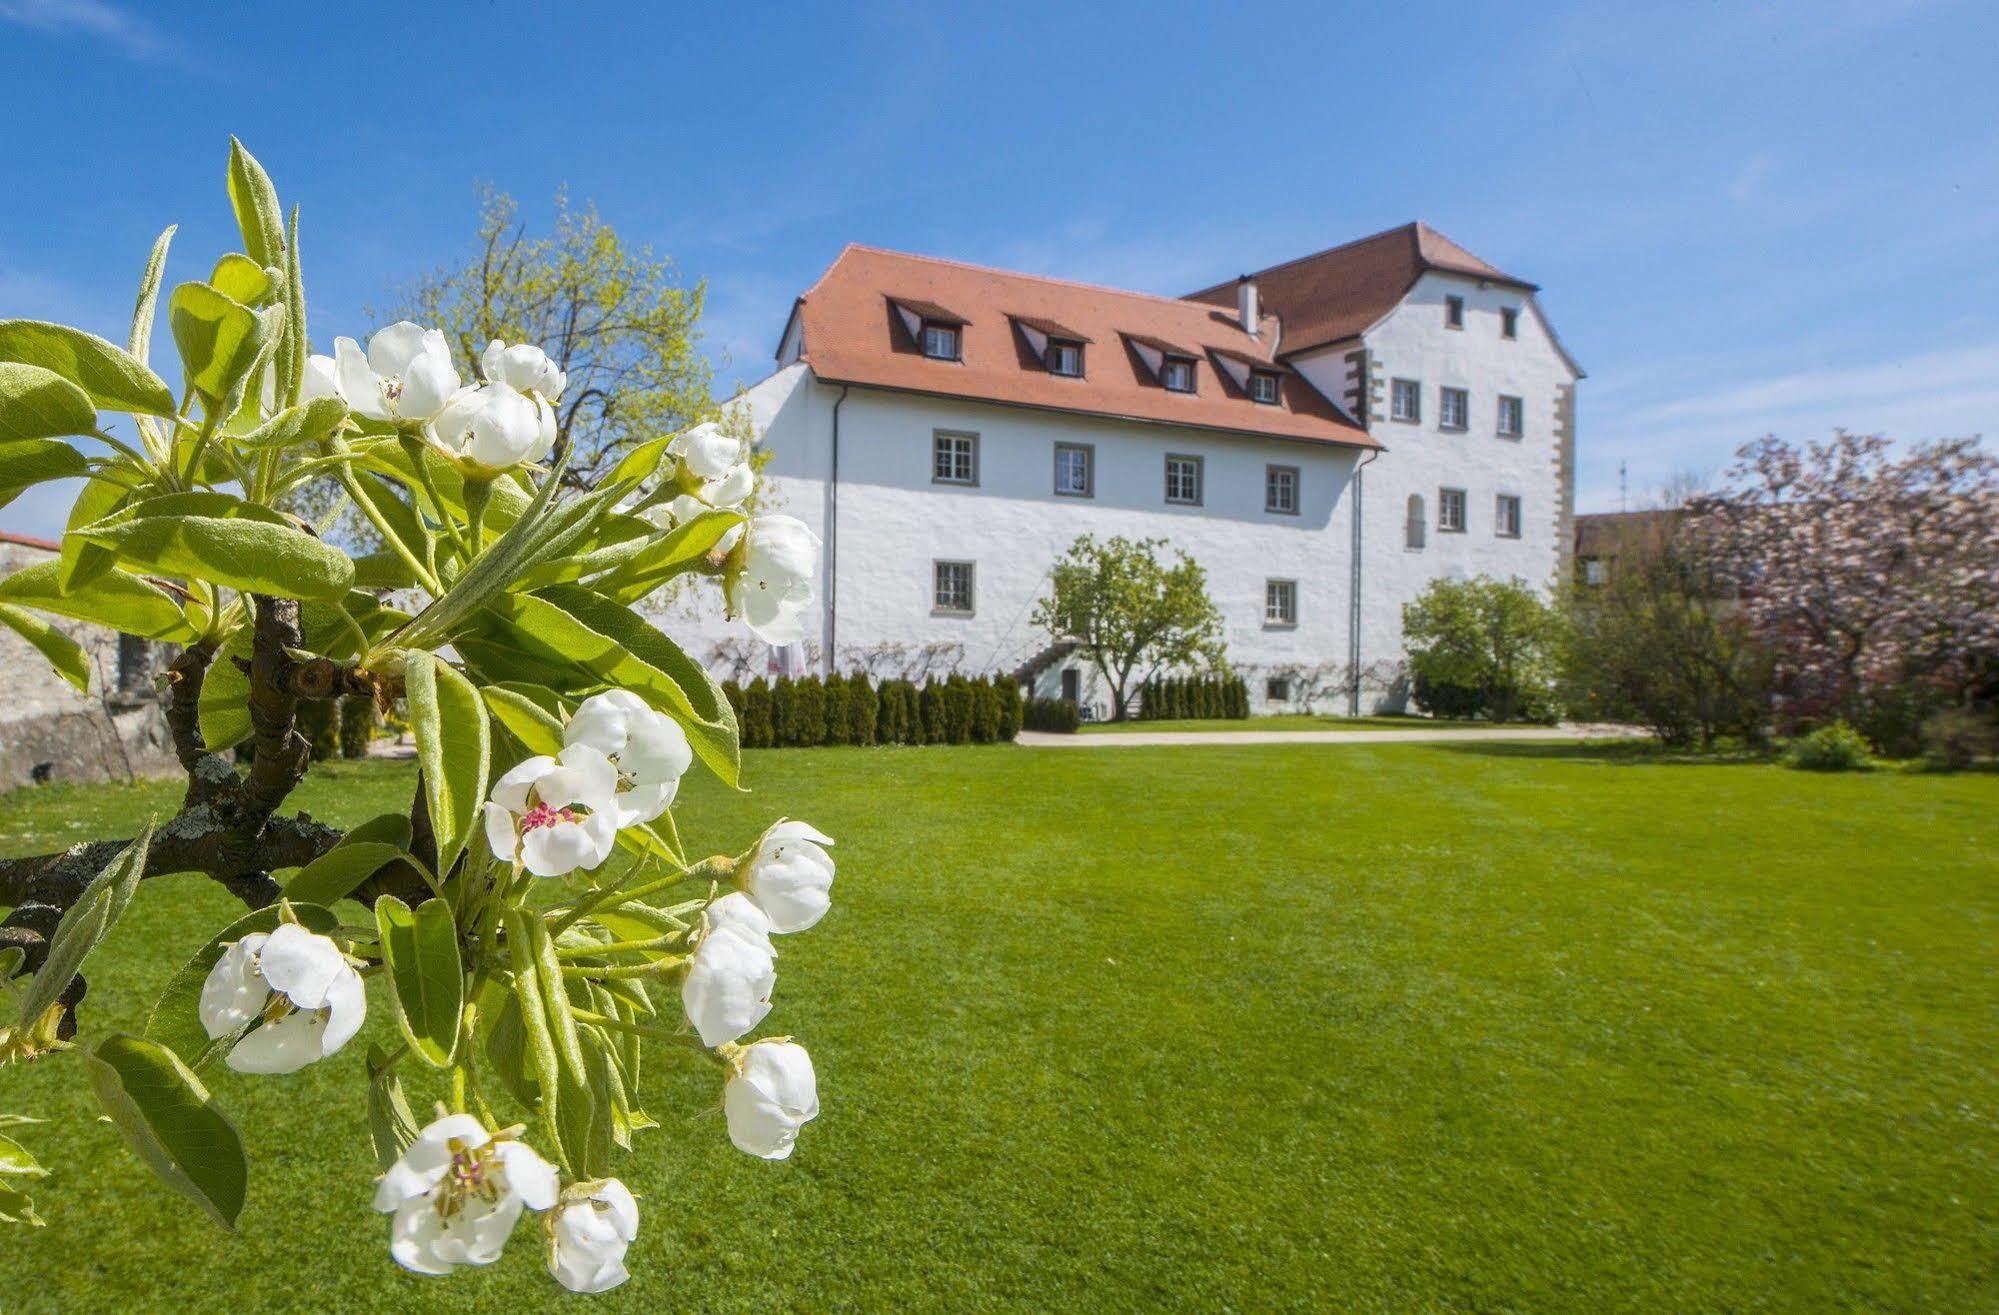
1245 302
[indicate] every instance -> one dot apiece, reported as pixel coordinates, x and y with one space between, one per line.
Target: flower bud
771 575
588 1234
729 981
790 876
770 1094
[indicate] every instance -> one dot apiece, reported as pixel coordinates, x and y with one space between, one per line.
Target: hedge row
1197 697
793 714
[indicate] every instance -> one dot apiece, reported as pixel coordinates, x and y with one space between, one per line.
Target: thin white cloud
121 29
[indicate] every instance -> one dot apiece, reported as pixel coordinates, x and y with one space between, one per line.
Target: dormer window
1263 387
1177 373
940 341
1066 359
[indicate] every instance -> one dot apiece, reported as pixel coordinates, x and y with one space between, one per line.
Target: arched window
1418 522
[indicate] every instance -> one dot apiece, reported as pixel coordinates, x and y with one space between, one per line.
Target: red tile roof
854 335
1337 293
29 541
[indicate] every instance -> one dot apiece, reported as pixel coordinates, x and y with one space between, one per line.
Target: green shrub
863 709
834 690
1058 715
318 720
357 725
1006 692
1834 747
1482 647
1955 738
808 713
758 732
936 726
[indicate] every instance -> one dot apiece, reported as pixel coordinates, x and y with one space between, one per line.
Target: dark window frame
957 333
1444 393
1500 501
1509 322
1454 312
1446 497
937 439
1277 689
1270 484
1089 451
937 568
1200 480
1519 408
1048 358
1286 589
1276 382
1166 365
1412 389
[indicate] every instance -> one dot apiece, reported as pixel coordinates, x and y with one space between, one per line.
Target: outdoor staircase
1030 671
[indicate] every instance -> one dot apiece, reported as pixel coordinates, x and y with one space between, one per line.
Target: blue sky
1745 217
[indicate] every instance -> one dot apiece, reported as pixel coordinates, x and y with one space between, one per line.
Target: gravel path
1569 734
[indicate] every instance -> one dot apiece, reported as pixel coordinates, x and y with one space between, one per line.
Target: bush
357 725
759 731
318 720
1006 693
1956 738
1834 747
1444 699
1059 715
863 710
834 699
1482 647
1893 717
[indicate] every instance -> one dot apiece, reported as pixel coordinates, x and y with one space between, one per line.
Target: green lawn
1301 721
1419 1027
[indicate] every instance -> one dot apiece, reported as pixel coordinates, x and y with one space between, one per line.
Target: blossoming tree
531 923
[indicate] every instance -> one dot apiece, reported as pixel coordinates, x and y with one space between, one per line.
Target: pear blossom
730 977
706 452
456 1193
588 1233
648 748
523 367
322 379
299 988
790 876
769 1095
555 815
770 578
737 912
494 427
406 374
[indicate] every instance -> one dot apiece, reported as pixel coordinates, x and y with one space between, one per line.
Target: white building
1324 437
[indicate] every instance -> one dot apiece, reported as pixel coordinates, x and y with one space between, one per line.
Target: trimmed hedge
1050 715
1204 698
814 710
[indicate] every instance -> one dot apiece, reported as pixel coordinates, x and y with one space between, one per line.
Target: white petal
302 965
603 721
734 485
656 748
321 379
427 386
359 383
774 1094
739 913
728 986
529 1177
492 358
392 349
582 776
478 1233
414 1236
642 803
234 993
423 1163
346 1007
511 790
285 1046
502 836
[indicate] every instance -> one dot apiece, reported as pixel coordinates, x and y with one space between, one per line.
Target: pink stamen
543 815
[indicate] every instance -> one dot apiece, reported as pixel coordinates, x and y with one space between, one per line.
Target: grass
1303 721
1380 1027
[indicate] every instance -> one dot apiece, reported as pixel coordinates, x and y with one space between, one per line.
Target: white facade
886 521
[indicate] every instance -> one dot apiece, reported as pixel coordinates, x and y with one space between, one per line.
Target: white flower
588 1235
495 427
706 452
406 375
729 979
771 577
790 876
456 1193
728 491
739 913
308 997
770 1094
533 818
648 748
322 379
522 366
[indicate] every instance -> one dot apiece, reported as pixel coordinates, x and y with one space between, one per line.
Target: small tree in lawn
1134 614
1481 647
1871 571
526 975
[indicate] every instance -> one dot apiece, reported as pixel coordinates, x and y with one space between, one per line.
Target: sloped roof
1337 293
852 336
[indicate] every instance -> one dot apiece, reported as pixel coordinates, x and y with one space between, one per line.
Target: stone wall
49 731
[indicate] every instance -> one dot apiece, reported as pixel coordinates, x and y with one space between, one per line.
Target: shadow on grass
1616 753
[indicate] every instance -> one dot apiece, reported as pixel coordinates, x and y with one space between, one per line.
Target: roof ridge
1410 226
1181 302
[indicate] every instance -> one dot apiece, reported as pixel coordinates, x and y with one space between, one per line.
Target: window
1263 387
1453 408
1280 602
1280 489
1065 358
1074 476
1277 689
1509 322
1506 516
1454 312
1177 374
954 458
954 587
1595 570
1451 511
1511 417
940 341
1405 400
1418 524
1183 481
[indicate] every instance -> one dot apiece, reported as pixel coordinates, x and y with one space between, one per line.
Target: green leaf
507 1053
149 296
572 624
526 717
123 602
665 558
216 537
391 1124
453 746
255 201
83 562
420 950
85 924
526 933
171 1122
335 874
175 1021
17 1165
113 378
583 1123
296 426
223 707
240 278
36 402
63 653
404 525
220 341
292 351
36 461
